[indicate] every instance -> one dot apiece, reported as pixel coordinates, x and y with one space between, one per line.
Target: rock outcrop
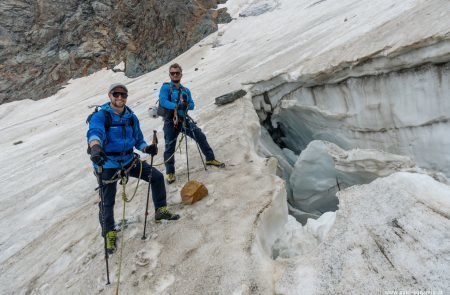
45 43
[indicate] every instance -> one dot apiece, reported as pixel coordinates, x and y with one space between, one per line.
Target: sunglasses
117 94
175 73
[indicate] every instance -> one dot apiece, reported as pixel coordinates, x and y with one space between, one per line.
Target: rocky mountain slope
45 43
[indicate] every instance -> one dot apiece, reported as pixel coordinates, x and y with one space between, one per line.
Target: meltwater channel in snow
339 92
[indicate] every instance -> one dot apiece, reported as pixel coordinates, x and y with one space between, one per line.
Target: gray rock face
44 43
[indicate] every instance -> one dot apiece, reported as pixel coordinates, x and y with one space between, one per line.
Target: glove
98 156
152 150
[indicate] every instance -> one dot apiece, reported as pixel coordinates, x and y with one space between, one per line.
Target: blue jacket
118 139
172 102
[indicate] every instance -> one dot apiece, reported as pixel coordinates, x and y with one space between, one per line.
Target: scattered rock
230 97
223 17
18 142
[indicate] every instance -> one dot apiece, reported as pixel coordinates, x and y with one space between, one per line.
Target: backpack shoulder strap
170 91
132 117
108 119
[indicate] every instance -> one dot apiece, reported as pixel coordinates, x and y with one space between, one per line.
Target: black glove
98 156
151 149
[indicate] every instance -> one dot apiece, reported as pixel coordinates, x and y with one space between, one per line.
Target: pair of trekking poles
188 121
102 201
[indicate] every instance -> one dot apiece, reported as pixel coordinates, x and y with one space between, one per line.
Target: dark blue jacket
117 139
173 101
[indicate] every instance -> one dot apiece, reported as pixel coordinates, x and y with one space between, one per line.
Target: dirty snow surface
388 236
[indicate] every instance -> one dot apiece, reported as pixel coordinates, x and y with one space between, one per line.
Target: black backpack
108 121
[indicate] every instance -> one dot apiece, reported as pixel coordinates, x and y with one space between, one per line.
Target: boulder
230 97
193 191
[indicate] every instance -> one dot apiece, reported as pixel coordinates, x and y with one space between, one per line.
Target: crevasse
396 105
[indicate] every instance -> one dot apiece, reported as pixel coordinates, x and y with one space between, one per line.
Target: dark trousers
109 191
170 137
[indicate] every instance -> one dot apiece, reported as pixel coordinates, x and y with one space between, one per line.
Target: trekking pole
154 141
187 157
102 200
195 139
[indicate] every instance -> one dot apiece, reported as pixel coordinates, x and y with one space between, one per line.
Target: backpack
108 121
162 111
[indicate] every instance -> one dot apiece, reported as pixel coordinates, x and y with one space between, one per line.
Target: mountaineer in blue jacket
177 100
113 134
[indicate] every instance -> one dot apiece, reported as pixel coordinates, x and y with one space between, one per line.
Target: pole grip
155 138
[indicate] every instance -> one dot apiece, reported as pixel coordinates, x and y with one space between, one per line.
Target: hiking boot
111 238
170 178
215 163
164 213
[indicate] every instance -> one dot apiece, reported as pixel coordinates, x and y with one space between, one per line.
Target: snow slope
49 232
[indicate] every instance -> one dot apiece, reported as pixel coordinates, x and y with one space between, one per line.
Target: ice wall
397 103
403 112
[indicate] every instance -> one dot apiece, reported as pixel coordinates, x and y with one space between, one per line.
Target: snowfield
369 80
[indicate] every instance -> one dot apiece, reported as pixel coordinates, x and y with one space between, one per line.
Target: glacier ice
404 112
323 168
390 234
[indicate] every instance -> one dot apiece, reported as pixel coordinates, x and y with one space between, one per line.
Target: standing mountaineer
177 100
113 133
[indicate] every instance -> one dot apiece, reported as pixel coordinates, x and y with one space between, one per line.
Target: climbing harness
118 175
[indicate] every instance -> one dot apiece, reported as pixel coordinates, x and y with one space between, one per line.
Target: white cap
115 85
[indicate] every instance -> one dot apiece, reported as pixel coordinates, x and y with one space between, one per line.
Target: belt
128 152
